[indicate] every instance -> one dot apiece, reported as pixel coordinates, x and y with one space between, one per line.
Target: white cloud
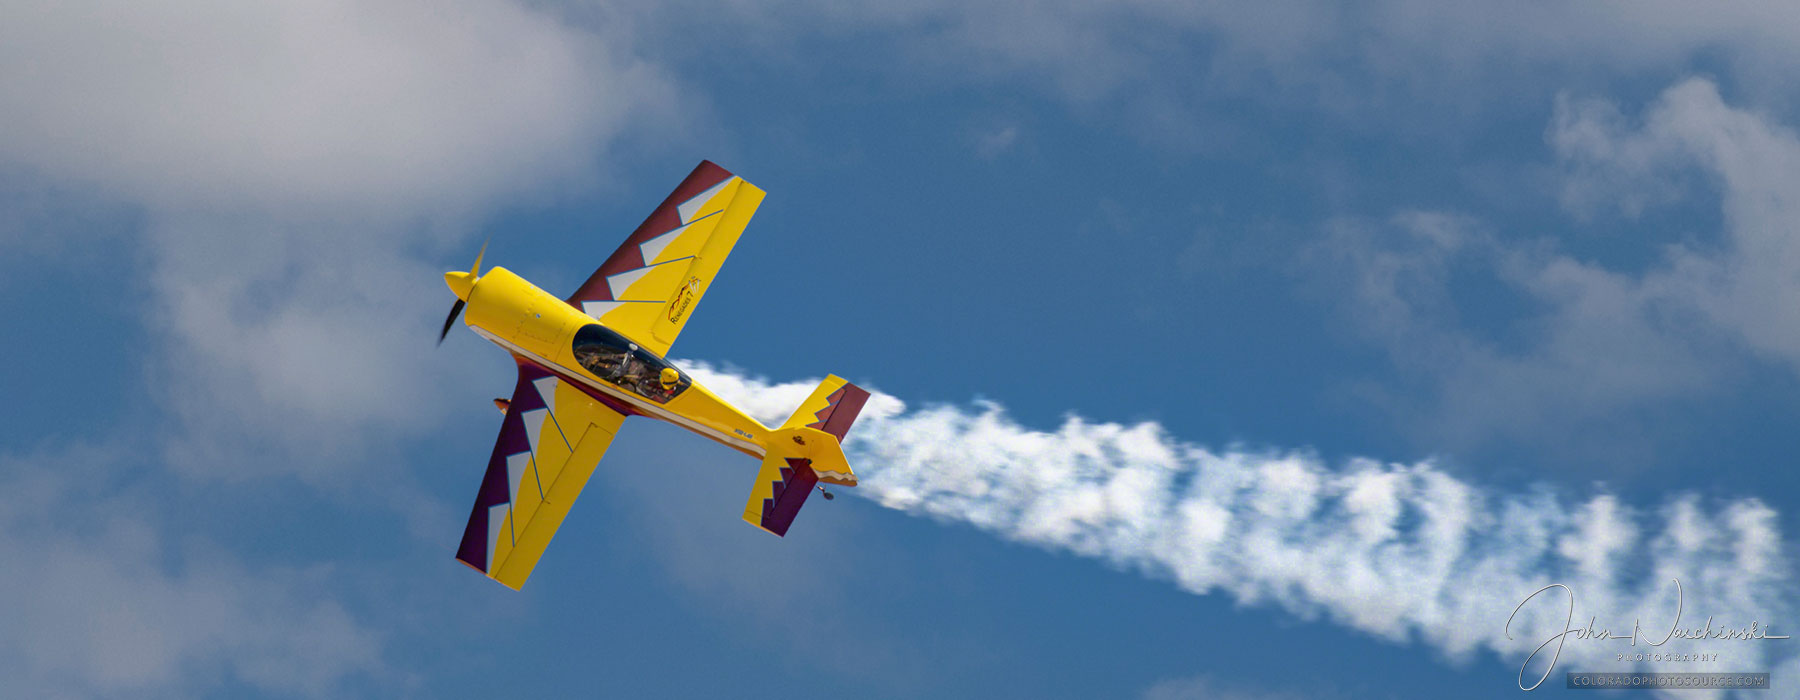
289 152
1174 70
295 162
1399 551
1746 286
285 353
311 108
1597 342
102 604
1598 347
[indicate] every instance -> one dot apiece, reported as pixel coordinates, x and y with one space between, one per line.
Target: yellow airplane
587 362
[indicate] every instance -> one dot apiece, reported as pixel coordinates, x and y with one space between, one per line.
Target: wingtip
707 165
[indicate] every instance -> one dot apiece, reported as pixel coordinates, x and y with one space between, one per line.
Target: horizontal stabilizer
797 460
782 486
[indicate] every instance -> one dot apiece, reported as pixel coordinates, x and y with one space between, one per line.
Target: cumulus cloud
310 107
1169 69
1594 341
1404 552
297 164
1745 285
288 171
302 354
1594 345
101 602
298 160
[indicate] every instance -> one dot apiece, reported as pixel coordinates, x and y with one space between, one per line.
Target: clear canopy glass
615 359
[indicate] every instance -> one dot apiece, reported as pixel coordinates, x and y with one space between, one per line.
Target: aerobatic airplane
588 361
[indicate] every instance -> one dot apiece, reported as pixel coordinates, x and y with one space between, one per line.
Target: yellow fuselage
532 324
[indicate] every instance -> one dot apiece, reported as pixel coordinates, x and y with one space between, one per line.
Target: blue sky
1250 353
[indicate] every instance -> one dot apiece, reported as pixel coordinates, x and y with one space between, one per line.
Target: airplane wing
650 285
551 440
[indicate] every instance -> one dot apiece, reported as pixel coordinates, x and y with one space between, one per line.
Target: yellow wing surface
551 440
649 287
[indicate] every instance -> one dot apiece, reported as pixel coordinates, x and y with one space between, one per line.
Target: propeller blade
476 270
455 309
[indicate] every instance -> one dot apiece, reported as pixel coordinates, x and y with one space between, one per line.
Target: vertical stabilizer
805 451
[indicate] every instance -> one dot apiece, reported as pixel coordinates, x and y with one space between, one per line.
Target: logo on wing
684 300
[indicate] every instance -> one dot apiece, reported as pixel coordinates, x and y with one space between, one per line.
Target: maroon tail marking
837 415
797 481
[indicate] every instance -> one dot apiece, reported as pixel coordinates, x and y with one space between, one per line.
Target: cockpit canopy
615 359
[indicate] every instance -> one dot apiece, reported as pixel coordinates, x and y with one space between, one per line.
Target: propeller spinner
461 283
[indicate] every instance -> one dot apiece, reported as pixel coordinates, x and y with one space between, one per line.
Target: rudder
832 407
807 449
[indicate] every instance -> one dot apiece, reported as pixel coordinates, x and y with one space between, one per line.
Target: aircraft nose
461 282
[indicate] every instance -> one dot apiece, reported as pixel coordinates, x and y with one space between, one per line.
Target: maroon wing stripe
494 490
664 219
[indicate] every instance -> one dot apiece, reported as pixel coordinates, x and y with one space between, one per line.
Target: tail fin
807 449
831 408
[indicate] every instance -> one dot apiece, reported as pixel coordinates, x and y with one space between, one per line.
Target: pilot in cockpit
630 369
602 361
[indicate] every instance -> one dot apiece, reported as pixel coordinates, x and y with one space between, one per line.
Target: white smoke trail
1400 551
